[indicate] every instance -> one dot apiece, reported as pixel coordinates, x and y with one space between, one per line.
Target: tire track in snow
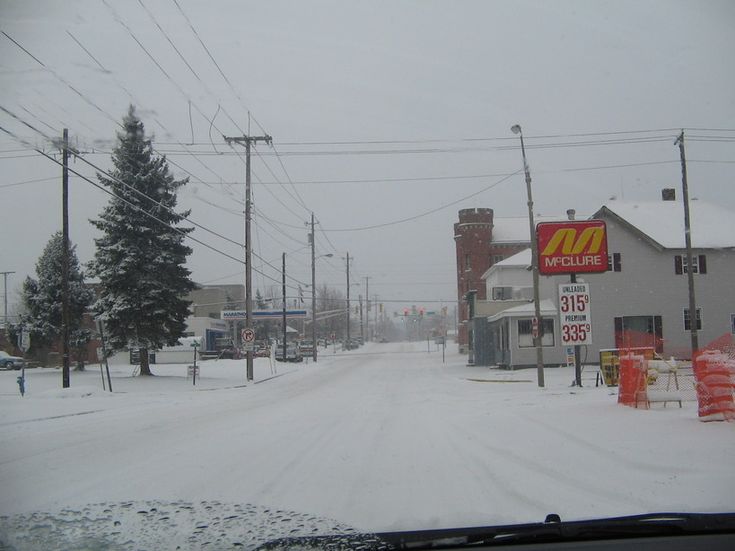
603 452
538 469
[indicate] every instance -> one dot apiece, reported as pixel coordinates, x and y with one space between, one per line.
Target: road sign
248 346
25 340
575 313
248 335
572 247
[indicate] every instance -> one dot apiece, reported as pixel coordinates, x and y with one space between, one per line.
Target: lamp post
313 294
516 129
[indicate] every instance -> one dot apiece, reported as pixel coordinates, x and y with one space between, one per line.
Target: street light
313 296
516 129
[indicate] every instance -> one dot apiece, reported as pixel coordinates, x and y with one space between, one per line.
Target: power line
17 156
278 199
126 185
29 182
186 62
118 181
426 213
143 211
61 79
298 200
93 104
219 69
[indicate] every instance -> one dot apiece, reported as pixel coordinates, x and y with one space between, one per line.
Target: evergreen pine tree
42 298
140 261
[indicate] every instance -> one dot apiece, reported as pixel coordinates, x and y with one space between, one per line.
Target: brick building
481 240
480 244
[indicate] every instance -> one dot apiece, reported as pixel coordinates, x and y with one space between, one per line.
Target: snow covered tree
43 301
140 258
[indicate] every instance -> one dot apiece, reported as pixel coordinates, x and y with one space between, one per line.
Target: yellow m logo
590 239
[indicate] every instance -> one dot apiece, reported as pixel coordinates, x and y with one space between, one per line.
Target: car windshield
283 269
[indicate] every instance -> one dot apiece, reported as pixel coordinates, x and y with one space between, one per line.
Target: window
614 263
688 321
732 324
502 293
525 338
467 262
699 264
639 331
496 258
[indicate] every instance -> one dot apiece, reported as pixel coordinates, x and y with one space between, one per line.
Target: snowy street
384 437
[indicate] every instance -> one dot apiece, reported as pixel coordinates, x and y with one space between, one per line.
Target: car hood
160 525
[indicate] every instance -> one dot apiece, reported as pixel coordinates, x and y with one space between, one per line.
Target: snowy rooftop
663 221
528 309
522 258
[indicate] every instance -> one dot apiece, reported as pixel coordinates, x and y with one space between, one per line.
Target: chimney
668 194
571 213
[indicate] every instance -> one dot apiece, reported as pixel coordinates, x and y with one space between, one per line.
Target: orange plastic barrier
714 373
632 385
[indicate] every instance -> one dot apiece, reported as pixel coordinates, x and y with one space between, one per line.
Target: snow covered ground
386 437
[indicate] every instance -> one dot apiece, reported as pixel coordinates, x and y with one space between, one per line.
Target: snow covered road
384 437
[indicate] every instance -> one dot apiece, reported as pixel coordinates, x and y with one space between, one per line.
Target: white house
644 290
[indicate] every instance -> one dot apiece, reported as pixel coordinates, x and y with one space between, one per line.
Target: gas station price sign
575 314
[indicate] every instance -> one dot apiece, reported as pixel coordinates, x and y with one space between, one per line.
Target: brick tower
472 237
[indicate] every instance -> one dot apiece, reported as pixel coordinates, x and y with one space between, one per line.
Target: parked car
262 350
351 344
10 362
293 353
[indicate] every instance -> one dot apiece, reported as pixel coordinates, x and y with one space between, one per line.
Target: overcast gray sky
416 97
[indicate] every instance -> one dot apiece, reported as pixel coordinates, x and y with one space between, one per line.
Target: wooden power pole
248 141
65 259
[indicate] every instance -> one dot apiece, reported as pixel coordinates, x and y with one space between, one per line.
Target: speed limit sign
575 314
248 335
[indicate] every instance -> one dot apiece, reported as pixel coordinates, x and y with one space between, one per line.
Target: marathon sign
572 247
258 315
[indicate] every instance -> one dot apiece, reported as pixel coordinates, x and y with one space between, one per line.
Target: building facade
481 241
642 299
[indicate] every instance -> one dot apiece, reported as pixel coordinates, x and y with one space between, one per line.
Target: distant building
209 300
643 291
482 241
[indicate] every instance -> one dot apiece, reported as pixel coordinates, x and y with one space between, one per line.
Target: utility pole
313 291
375 306
362 327
348 298
367 311
537 337
5 291
283 283
248 141
65 259
688 243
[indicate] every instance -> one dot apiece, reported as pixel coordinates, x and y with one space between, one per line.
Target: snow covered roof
663 221
526 310
522 258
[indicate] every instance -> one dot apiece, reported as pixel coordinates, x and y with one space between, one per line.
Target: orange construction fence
632 383
714 373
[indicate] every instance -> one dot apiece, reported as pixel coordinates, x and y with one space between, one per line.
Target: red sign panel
572 247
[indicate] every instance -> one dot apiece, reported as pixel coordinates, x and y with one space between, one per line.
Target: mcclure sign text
572 247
